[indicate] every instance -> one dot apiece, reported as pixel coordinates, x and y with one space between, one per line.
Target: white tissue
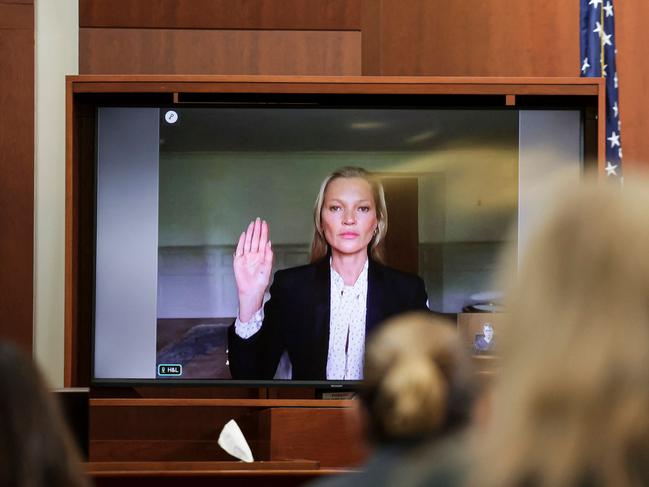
232 441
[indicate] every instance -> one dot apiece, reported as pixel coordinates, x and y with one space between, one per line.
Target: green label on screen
170 369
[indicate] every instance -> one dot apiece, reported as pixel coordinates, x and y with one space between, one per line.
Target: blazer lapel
321 308
375 296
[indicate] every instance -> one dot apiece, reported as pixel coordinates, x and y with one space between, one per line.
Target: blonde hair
415 374
571 404
319 245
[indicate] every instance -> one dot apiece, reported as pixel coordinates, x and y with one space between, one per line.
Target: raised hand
253 261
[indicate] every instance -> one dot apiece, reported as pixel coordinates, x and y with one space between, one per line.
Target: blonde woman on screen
570 408
318 314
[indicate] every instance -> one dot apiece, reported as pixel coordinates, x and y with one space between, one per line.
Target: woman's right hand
253 261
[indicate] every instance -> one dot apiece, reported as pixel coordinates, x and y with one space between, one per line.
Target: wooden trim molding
70 241
336 84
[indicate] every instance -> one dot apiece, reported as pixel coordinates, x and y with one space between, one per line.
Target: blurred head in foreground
571 406
417 382
35 446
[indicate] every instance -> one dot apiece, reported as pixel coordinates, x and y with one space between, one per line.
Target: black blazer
296 319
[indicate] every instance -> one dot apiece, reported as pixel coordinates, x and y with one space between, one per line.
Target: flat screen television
176 185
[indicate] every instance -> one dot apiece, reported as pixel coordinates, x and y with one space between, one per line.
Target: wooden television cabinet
157 427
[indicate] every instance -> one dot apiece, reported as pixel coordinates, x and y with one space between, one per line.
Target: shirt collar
338 283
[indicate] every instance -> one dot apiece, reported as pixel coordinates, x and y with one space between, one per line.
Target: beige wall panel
56 34
165 51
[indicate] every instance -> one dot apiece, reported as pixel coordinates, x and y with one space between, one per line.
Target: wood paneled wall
170 51
478 38
221 14
314 37
17 171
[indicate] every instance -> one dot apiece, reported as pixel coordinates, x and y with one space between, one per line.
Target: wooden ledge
189 402
223 468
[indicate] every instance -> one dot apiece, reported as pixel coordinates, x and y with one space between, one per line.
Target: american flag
597 43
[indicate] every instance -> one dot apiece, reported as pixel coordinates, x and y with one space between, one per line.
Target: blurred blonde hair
416 379
319 245
572 404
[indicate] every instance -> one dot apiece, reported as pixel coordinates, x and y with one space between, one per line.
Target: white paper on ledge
232 441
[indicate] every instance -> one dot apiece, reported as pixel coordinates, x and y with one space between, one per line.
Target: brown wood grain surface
267 474
136 422
222 14
371 31
167 51
333 436
138 432
479 38
633 74
16 16
163 79
17 174
161 450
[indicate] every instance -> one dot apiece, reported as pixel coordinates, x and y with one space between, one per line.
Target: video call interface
177 186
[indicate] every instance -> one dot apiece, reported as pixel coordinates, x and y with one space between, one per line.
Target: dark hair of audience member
35 445
417 380
571 405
